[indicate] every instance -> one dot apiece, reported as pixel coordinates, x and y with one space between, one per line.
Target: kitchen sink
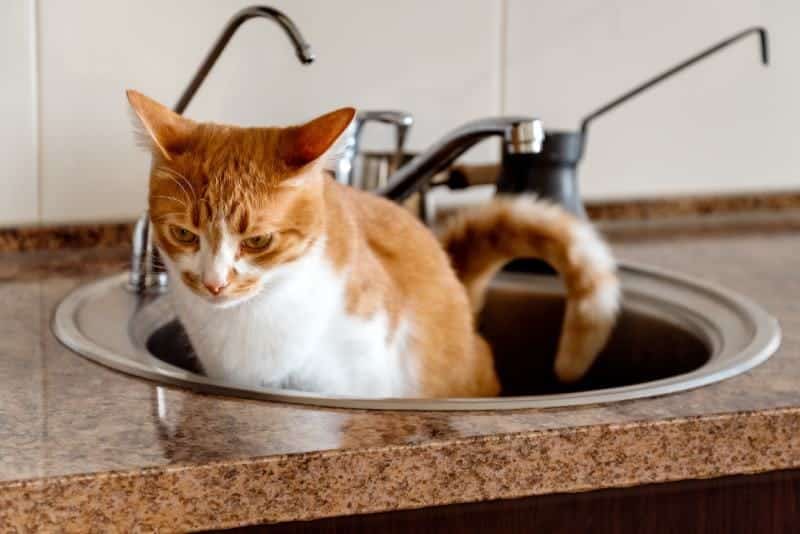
674 334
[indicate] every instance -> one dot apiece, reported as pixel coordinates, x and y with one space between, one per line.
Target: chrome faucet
347 171
521 135
147 270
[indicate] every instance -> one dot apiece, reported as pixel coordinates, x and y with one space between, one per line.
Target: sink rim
765 340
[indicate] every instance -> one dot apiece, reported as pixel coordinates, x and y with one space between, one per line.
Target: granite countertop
83 446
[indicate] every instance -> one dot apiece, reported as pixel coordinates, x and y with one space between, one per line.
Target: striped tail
480 241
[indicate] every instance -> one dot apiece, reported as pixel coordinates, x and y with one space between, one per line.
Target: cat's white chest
297 334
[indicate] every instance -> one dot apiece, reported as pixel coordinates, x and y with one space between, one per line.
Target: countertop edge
310 486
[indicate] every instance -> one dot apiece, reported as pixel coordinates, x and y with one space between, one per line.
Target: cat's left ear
301 145
169 132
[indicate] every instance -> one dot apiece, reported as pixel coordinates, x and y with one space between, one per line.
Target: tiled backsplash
727 125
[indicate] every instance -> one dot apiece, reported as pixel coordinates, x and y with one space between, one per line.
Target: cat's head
229 206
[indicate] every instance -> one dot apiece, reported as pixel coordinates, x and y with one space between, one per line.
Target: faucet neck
521 135
301 46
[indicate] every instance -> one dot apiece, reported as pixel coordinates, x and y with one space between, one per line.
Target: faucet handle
345 169
401 120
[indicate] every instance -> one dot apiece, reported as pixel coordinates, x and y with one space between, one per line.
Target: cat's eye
182 235
259 242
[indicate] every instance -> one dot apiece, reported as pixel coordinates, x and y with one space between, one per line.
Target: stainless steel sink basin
674 334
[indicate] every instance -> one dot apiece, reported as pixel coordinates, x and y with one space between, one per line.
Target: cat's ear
301 145
170 133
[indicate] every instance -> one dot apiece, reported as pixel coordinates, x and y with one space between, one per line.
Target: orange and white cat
283 277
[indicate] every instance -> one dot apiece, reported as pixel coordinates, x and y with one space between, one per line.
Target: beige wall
19 180
725 126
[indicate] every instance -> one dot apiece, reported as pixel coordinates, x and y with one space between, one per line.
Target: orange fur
268 180
480 242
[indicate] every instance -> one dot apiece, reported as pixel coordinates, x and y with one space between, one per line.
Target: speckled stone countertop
83 447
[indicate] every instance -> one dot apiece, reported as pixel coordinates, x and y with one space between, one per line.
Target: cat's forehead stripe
215 234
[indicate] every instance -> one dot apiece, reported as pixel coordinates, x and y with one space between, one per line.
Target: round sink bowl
674 334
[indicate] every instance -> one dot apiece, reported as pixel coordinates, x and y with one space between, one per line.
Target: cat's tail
480 241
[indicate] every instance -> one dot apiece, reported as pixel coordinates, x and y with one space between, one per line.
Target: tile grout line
501 65
503 54
36 108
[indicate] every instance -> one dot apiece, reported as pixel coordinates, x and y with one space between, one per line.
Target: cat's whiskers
188 182
169 197
171 174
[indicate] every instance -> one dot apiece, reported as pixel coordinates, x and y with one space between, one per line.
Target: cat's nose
215 287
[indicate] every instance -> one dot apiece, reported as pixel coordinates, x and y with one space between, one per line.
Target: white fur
215 267
294 332
590 250
586 248
598 308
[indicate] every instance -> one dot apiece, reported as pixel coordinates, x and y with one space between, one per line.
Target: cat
283 277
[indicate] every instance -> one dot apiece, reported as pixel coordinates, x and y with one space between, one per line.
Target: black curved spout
677 68
302 48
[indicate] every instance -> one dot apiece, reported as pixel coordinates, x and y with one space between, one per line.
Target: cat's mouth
230 296
222 300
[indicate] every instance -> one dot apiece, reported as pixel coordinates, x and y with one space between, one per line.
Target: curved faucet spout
521 135
301 46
